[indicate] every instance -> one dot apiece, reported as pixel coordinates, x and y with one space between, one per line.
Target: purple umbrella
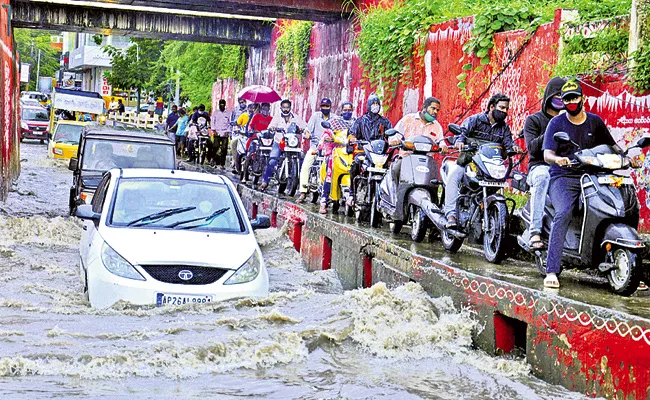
259 94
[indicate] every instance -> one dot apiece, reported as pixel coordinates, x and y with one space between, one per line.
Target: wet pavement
308 340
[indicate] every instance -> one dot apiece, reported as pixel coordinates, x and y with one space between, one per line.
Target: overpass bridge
242 22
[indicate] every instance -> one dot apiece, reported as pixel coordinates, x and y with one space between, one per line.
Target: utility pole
38 69
177 95
137 61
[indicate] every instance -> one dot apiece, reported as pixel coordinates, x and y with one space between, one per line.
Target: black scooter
604 237
413 198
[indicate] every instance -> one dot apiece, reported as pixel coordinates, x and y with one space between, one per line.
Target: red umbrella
259 94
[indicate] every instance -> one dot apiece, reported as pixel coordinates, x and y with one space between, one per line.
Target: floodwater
308 340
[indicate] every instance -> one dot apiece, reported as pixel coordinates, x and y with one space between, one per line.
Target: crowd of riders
332 132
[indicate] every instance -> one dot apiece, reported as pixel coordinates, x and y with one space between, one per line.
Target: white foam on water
40 231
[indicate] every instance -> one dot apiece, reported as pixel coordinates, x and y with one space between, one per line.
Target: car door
90 227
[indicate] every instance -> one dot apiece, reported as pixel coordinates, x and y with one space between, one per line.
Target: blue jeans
538 179
452 189
273 162
565 192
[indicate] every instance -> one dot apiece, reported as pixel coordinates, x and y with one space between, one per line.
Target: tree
134 66
28 43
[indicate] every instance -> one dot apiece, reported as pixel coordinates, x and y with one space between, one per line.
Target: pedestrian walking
220 124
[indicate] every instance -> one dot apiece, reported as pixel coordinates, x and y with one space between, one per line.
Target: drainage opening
297 236
367 271
274 219
510 335
327 253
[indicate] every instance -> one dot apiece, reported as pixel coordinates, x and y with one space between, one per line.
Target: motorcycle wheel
418 224
494 239
349 211
450 242
243 174
293 177
624 278
201 157
375 215
360 207
396 227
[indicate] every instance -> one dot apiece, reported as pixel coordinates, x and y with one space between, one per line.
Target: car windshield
68 133
180 204
35 115
102 155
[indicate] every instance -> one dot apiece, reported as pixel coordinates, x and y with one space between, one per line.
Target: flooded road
308 340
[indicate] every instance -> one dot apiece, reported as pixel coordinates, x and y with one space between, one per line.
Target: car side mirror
455 129
261 222
72 166
85 211
562 138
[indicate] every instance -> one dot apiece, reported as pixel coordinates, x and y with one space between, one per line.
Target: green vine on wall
639 75
292 49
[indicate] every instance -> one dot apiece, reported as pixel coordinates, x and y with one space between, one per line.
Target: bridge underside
313 10
168 26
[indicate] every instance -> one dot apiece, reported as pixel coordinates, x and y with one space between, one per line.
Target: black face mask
498 115
222 108
325 111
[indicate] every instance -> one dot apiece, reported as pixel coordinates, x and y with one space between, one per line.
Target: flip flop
551 281
536 244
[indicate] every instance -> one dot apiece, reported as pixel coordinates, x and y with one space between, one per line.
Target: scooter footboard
622 235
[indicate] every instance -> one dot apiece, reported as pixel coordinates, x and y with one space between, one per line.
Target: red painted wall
9 116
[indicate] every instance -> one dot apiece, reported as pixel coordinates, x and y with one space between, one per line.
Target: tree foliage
133 67
28 43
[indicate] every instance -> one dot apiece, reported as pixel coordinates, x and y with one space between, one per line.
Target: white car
154 236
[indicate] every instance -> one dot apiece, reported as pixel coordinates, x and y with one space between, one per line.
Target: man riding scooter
489 126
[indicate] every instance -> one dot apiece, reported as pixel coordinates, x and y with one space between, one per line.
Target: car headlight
378 159
248 271
24 125
117 265
497 171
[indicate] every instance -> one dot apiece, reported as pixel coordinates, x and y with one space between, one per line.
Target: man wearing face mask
281 121
369 127
261 121
587 130
346 119
220 124
313 133
489 126
538 175
234 139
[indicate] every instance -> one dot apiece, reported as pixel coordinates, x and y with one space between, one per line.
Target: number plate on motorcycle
492 184
266 148
292 149
615 180
375 169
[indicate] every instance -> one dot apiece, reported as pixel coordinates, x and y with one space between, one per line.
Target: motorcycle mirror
643 142
562 138
391 132
455 129
326 124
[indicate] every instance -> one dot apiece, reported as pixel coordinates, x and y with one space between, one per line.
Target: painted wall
9 116
520 67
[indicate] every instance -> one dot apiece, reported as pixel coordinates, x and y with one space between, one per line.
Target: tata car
34 123
102 148
168 237
64 141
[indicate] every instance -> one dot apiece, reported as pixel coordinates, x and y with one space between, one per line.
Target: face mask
428 117
242 106
573 108
375 108
222 108
347 115
285 113
557 104
325 111
498 115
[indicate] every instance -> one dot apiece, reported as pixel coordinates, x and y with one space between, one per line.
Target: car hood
180 247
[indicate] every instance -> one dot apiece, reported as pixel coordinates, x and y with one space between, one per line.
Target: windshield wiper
160 215
207 219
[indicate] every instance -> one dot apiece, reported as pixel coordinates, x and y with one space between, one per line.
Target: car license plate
163 299
492 184
615 180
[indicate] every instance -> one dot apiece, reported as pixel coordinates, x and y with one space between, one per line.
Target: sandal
551 281
536 244
642 287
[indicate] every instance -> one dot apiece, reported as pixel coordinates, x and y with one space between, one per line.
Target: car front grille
171 274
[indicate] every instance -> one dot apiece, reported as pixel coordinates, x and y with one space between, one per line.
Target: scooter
341 163
481 208
604 238
238 134
288 171
413 199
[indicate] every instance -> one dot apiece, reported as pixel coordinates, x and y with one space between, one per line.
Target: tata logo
185 275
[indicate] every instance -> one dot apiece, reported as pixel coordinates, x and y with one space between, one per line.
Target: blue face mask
557 104
347 115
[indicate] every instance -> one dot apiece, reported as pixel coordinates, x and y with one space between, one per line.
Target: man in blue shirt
587 130
171 120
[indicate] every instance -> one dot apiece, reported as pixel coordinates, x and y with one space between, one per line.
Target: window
70 134
30 114
100 194
102 155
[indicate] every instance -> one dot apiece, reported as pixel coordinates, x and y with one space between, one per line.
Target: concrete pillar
638 27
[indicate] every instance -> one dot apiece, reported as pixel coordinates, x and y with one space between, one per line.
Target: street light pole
137 61
38 70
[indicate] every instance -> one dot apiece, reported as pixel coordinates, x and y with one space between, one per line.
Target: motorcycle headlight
292 141
24 125
117 265
378 159
248 271
496 171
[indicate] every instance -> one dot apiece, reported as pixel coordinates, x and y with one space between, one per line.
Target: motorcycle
238 134
314 181
413 198
376 154
341 163
288 171
257 156
200 147
604 238
481 208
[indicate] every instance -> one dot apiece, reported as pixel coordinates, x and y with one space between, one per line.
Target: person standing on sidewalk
234 139
313 133
172 126
220 124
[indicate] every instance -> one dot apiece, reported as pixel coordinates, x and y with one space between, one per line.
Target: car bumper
105 288
29 134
